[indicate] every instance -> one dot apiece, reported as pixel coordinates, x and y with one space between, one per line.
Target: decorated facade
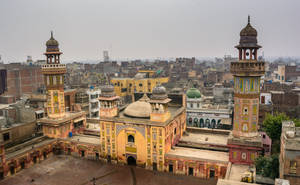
245 142
143 132
58 123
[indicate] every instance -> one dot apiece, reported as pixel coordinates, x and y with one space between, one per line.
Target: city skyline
146 30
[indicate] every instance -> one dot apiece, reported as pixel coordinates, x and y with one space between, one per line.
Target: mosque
151 132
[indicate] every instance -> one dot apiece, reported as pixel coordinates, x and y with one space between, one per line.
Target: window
244 156
198 105
170 167
293 167
175 131
252 156
130 139
140 85
6 136
191 171
191 105
245 127
234 155
245 111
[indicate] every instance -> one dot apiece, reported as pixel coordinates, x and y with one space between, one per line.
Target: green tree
272 125
267 166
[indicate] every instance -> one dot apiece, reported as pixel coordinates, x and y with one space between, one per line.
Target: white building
204 115
94 104
266 98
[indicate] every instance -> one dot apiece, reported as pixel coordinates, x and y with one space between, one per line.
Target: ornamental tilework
121 127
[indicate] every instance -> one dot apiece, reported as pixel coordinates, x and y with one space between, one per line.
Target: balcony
54 68
247 68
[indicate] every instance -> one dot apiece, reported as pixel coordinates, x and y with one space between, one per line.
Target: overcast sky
145 28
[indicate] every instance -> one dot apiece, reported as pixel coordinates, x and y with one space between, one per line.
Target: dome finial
248 19
51 34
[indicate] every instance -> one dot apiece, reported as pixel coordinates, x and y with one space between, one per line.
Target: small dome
107 91
248 36
52 44
159 92
139 109
193 93
52 41
248 30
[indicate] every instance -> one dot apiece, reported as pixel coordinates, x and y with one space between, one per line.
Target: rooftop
175 111
236 171
198 154
205 138
85 139
67 117
27 146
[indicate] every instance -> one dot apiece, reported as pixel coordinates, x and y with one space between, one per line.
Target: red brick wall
23 80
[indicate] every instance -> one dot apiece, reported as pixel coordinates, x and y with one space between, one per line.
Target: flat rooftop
85 139
68 116
236 172
198 154
27 146
205 138
230 182
66 170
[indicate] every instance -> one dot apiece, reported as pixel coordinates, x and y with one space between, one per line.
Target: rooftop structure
58 123
245 142
206 115
290 152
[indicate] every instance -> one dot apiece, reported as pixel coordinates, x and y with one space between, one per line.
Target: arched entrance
131 161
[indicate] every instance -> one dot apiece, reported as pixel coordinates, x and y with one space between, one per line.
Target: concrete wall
19 133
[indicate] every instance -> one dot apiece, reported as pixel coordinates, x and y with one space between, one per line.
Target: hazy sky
145 28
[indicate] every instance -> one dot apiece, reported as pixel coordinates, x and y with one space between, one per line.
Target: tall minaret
245 143
54 80
247 72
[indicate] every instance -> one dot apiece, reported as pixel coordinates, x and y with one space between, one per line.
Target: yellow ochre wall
144 85
150 143
139 145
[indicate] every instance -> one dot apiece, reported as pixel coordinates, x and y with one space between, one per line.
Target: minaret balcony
247 68
54 68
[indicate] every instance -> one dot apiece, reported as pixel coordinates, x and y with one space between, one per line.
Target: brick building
23 79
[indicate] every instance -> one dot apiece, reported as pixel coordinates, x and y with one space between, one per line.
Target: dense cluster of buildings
135 114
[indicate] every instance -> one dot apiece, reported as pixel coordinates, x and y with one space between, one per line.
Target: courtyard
68 170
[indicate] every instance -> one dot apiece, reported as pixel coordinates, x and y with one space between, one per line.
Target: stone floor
67 170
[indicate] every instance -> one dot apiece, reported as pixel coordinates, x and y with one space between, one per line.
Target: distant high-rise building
105 56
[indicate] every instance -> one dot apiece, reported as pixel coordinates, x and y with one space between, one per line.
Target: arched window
130 139
195 122
201 123
219 123
207 123
190 121
213 123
